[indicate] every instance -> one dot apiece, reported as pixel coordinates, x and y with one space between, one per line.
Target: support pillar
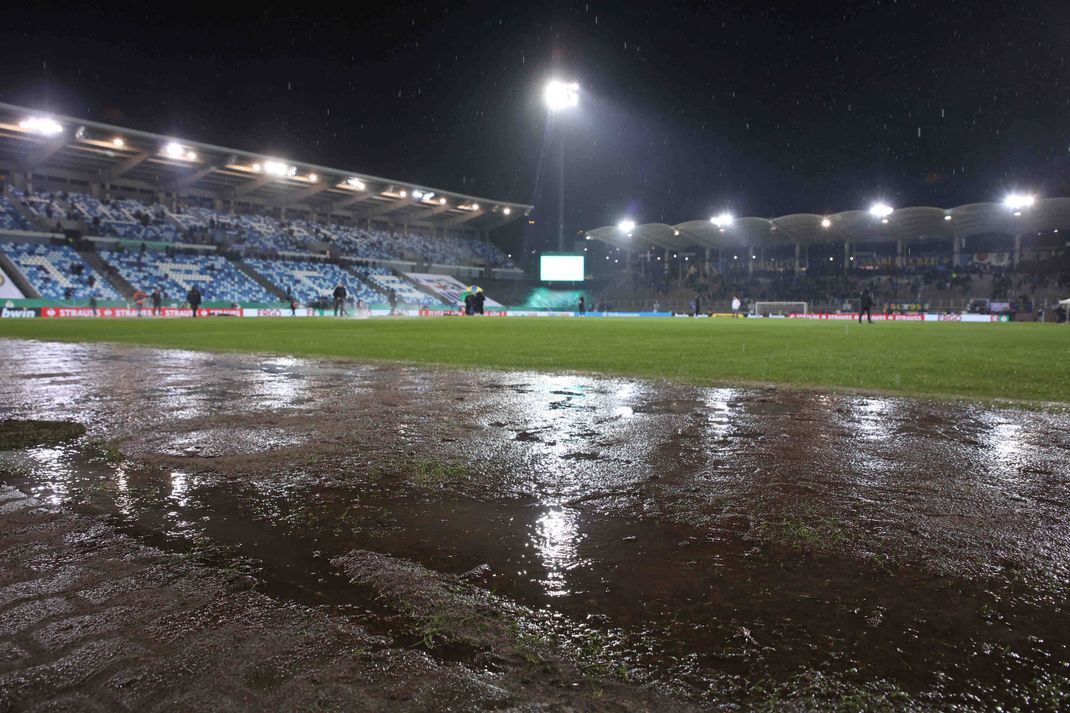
899 253
798 264
1017 258
955 247
846 256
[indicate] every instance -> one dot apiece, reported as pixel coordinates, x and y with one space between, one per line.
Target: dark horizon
686 110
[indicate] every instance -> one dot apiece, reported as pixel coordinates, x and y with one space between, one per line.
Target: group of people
474 301
193 297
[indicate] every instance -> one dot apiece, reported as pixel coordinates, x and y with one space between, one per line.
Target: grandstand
57 272
312 281
216 277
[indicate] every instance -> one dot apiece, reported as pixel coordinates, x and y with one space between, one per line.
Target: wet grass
987 361
798 534
26 434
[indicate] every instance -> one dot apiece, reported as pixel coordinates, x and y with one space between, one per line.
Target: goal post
767 309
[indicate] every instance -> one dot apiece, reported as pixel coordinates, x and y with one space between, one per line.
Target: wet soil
25 433
761 547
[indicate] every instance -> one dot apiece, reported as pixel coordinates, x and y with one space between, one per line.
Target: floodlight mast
561 96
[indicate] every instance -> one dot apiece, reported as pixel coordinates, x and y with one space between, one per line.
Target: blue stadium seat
53 269
310 281
217 279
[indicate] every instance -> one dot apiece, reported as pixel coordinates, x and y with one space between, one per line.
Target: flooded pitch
713 547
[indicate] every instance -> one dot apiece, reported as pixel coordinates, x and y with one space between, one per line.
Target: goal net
766 309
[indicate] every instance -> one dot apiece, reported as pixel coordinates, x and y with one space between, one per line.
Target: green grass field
1013 361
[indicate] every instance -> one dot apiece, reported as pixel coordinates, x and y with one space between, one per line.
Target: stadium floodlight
947 217
475 206
722 219
442 200
191 155
356 183
278 168
880 210
403 194
41 125
507 210
313 178
173 149
675 232
826 223
560 95
627 225
257 167
1017 201
118 142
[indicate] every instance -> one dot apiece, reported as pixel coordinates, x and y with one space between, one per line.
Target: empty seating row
217 279
309 281
58 272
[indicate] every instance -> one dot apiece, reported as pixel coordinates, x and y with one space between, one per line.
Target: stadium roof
33 142
854 226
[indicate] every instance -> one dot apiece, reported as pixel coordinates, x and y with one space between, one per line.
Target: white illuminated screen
561 268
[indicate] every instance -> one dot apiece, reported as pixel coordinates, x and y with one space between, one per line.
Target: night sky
688 108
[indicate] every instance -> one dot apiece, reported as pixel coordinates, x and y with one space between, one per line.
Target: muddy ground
584 542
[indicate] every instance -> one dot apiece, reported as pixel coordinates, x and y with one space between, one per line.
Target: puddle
726 543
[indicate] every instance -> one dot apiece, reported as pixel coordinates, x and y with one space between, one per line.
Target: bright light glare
507 210
626 226
278 168
1017 201
41 125
561 95
356 183
174 150
826 223
947 217
722 220
118 142
191 156
313 178
880 210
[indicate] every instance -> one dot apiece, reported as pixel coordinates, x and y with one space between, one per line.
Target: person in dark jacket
157 300
478 301
698 305
469 304
582 305
865 303
339 300
392 298
194 299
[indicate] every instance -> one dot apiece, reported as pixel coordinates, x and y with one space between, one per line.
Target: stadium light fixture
191 155
118 142
675 232
356 183
442 201
278 168
475 206
723 219
627 225
403 194
507 210
880 210
41 125
560 95
257 167
947 217
313 178
1017 201
826 223
173 149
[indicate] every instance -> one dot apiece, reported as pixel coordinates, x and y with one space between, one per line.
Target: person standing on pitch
392 298
339 300
157 300
698 305
865 305
478 300
194 299
582 305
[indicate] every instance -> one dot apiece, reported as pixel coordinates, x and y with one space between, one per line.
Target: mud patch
25 434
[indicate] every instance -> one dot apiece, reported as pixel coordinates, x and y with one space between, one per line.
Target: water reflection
556 539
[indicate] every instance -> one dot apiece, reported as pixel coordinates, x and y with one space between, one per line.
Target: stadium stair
113 277
363 279
256 277
17 277
420 288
